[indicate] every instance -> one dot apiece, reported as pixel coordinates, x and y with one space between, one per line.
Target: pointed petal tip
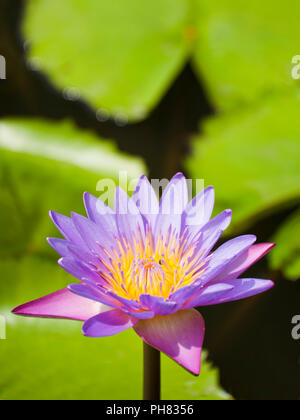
53 215
261 250
209 188
266 248
195 370
51 241
17 310
86 196
179 176
269 284
21 310
251 236
74 215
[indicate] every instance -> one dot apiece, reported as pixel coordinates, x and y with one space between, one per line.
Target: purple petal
60 246
173 202
158 305
180 336
91 293
79 270
243 288
108 324
233 248
128 303
185 293
61 304
199 210
68 249
146 200
175 196
212 231
99 213
95 236
140 315
66 227
224 255
208 295
216 268
130 306
95 207
242 263
129 219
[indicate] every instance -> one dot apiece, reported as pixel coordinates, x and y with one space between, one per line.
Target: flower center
148 264
143 266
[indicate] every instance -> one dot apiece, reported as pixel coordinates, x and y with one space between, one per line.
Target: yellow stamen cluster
143 266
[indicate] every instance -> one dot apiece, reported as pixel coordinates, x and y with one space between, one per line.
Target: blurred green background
95 88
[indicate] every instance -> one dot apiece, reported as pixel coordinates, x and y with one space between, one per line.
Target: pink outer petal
108 324
62 304
180 336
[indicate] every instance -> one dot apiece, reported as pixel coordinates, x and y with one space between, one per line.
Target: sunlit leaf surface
119 56
252 158
122 56
244 49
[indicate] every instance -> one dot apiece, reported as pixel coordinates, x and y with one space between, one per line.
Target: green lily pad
252 158
244 50
120 57
286 255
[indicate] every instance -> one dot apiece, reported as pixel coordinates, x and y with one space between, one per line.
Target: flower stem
151 373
